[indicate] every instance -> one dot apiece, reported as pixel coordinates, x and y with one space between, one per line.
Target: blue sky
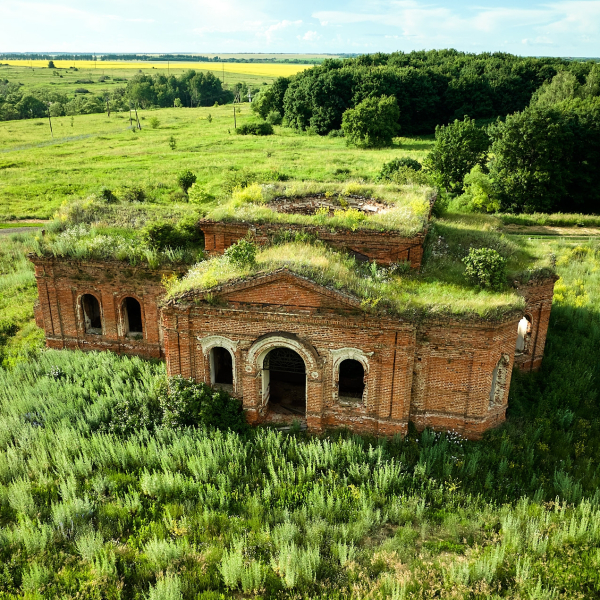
560 28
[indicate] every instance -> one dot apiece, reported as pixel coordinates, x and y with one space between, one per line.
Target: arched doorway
284 381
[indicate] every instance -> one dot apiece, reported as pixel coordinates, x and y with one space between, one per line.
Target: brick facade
445 374
383 247
62 284
538 296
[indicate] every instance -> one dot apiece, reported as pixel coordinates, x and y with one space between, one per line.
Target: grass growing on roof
384 289
92 229
407 213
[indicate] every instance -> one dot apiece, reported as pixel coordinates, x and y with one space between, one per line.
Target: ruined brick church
291 348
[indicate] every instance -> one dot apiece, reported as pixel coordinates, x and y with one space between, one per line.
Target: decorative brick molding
62 283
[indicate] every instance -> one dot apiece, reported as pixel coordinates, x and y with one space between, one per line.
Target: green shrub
390 168
458 148
479 193
107 194
263 128
186 403
160 235
274 117
251 193
133 194
154 122
198 195
485 267
185 180
243 253
373 123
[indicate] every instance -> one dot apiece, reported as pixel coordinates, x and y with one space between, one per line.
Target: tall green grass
208 514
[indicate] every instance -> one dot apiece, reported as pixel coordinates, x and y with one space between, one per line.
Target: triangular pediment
284 288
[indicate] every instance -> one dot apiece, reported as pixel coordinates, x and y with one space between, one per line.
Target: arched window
132 316
91 314
221 368
523 335
351 382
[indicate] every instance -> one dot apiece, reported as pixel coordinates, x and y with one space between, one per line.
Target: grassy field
89 152
167 514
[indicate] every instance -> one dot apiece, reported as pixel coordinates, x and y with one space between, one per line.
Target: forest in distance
117 482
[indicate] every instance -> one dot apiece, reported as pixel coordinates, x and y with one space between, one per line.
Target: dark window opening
133 317
286 376
222 364
352 380
91 314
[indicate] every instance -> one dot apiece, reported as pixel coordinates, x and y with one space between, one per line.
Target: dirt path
551 230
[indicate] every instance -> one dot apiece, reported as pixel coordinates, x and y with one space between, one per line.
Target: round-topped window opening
221 366
523 334
92 316
132 314
351 383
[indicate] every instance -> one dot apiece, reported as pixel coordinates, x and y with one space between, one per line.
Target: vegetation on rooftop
407 213
442 287
92 229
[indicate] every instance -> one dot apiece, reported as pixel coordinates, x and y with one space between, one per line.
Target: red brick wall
538 296
437 374
62 283
383 247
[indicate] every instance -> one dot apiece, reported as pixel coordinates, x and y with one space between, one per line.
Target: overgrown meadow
170 513
91 152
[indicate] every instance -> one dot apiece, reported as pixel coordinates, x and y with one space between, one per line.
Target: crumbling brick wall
384 247
538 297
62 284
445 374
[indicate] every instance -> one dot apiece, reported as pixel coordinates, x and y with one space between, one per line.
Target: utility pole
50 121
137 118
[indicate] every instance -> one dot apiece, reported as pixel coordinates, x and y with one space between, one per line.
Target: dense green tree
373 123
458 148
30 107
564 86
432 88
531 152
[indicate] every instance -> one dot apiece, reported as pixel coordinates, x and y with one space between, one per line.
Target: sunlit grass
377 289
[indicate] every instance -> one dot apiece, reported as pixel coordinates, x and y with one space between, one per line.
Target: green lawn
89 152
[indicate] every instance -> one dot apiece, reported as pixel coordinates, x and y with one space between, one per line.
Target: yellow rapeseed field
260 69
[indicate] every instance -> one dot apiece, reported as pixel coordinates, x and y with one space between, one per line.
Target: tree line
431 88
190 89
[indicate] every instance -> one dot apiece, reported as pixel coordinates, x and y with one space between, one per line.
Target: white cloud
440 25
272 32
309 36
